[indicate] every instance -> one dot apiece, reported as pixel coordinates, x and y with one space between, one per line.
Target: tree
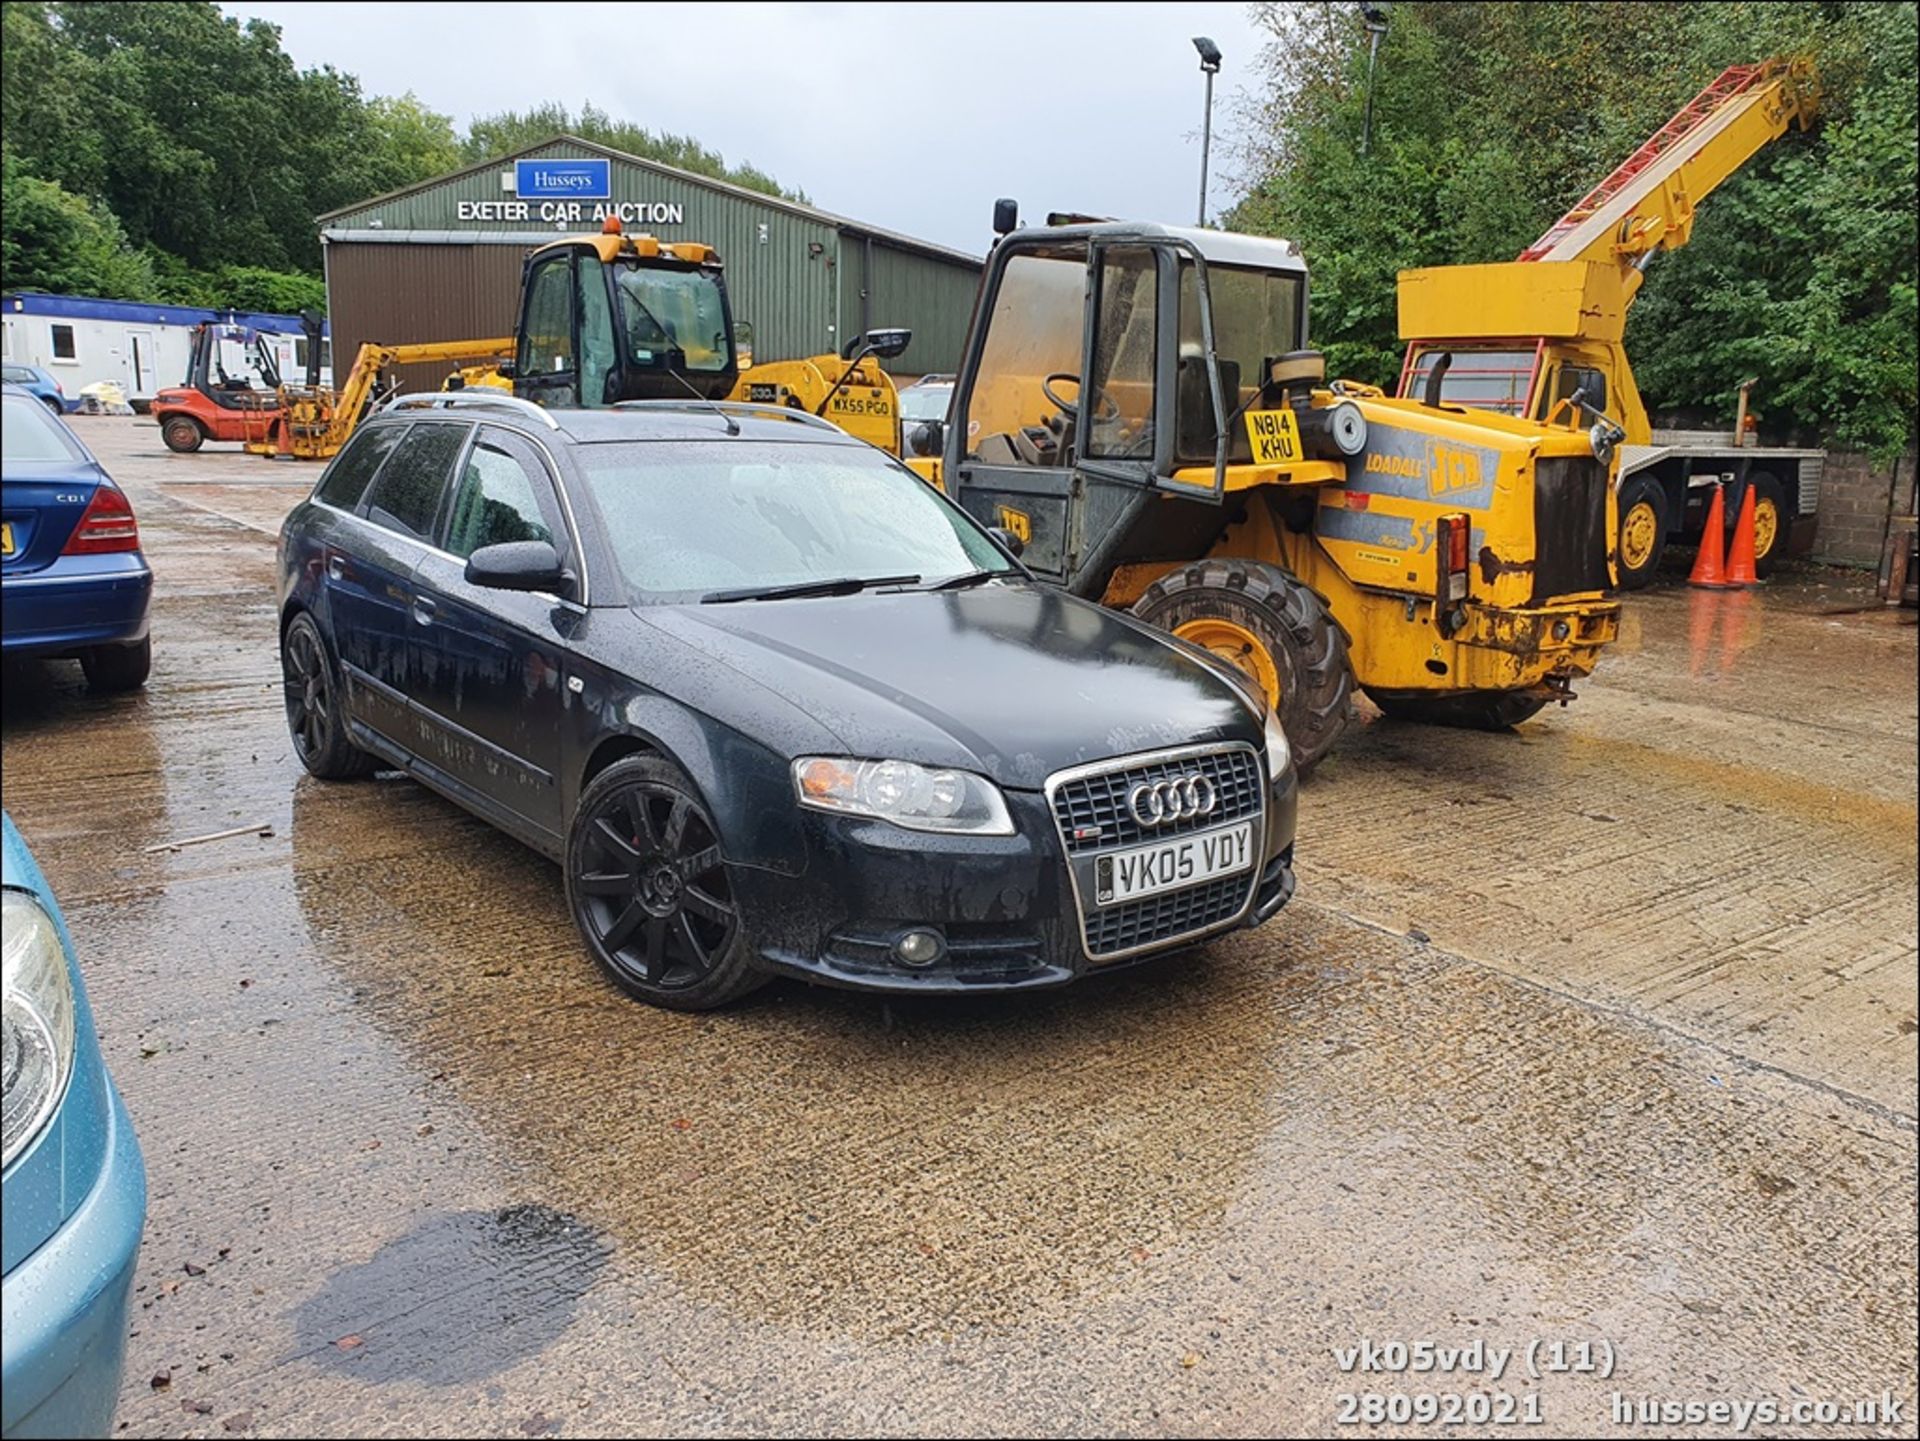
58 241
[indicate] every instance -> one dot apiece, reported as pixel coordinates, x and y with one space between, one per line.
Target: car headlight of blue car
36 1026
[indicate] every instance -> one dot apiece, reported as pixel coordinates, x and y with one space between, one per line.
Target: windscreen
1483 379
30 434
925 402
668 313
689 518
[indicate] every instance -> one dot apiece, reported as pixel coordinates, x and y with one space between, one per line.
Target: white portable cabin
142 348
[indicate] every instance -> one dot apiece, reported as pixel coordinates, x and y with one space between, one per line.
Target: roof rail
734 407
459 399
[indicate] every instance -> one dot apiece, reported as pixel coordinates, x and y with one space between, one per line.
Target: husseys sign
567 191
562 179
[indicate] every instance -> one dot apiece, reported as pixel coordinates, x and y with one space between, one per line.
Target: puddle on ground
456 1299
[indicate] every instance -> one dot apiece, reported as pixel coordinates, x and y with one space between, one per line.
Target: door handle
423 609
336 568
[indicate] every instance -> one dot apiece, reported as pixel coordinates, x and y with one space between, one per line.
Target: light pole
1209 66
1375 16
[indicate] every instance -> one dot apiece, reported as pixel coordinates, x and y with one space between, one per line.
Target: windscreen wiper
845 585
969 578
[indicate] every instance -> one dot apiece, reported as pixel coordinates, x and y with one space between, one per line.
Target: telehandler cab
612 317
1137 405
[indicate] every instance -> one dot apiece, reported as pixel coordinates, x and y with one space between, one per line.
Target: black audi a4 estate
774 704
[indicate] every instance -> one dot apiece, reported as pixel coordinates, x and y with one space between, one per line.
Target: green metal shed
441 260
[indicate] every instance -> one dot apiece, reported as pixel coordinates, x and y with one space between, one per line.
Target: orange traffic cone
1709 567
1740 562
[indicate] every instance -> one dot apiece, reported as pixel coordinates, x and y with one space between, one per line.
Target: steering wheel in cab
1103 406
1116 438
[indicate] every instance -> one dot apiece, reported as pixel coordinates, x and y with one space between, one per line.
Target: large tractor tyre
1493 710
182 434
1275 630
1769 522
1643 531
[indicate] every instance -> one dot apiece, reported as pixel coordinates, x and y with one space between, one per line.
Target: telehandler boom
313 422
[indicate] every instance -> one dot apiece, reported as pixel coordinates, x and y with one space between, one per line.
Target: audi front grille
1092 808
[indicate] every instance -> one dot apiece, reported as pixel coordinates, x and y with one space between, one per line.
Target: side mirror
1006 216
1009 542
888 343
518 565
927 438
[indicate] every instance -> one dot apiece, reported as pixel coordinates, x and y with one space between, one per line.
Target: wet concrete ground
1599 1031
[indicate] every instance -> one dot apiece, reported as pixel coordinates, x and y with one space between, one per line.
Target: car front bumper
78 602
1004 907
65 1305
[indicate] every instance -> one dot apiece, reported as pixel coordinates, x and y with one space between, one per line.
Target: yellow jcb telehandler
1138 407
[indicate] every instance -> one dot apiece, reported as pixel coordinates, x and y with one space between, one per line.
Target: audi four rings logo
1184 798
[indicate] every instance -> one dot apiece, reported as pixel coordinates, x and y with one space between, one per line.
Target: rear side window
346 479
406 496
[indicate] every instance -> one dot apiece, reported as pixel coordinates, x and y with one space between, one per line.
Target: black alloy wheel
313 706
649 889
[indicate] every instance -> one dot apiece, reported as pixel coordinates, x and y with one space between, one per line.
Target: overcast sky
914 117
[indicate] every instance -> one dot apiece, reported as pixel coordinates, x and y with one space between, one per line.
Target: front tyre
182 434
648 888
316 719
1275 630
1493 710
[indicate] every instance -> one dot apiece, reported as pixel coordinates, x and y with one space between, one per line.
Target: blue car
33 379
73 582
74 1187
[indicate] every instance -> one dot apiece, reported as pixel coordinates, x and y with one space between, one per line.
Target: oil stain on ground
456 1299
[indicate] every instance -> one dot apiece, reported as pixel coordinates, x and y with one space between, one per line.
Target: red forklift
232 389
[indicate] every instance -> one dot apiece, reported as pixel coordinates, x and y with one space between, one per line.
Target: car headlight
1279 753
921 798
36 1022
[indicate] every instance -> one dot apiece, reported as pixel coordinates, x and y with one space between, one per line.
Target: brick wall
1856 497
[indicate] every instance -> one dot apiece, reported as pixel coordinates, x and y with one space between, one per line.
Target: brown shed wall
396 294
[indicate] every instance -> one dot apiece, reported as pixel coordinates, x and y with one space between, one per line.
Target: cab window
1566 380
1034 331
1126 319
1257 317
546 362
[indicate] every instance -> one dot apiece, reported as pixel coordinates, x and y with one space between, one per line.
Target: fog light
918 948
